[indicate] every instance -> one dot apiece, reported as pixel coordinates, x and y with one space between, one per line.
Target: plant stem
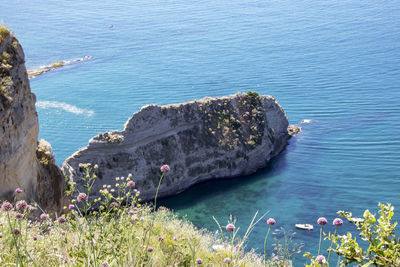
320 239
330 248
265 246
158 188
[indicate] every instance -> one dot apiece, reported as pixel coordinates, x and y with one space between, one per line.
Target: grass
4 33
118 232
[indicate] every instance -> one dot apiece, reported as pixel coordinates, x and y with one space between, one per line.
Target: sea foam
64 106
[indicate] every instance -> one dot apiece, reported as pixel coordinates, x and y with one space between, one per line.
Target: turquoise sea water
336 63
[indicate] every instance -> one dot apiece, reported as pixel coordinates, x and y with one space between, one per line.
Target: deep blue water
336 63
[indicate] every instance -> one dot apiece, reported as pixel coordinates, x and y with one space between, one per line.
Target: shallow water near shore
335 63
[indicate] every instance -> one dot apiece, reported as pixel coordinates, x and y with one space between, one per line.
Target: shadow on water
204 190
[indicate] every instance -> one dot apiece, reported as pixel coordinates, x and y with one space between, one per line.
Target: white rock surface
19 165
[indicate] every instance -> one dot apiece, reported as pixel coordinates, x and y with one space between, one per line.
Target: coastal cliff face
20 166
200 140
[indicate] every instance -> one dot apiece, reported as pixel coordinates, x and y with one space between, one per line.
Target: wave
64 106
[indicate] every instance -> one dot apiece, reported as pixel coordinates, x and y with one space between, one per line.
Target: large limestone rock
200 140
41 180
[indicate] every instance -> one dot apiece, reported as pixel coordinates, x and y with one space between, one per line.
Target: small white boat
305 226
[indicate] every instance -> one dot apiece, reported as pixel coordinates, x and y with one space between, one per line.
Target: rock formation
46 68
40 179
200 140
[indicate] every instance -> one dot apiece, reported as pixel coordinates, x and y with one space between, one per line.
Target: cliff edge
22 163
200 140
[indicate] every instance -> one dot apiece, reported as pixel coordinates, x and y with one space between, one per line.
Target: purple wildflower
82 197
131 184
63 233
1 235
230 227
320 259
227 260
149 249
34 238
7 206
322 221
337 222
165 168
18 190
43 216
18 216
199 261
160 239
20 205
61 219
16 231
271 221
104 264
71 207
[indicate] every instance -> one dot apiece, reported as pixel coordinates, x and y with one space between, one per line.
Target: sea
334 64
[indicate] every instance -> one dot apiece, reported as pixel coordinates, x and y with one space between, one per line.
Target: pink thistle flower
227 260
20 205
104 264
28 207
71 207
165 168
114 204
271 221
320 259
61 219
63 233
130 184
1 235
131 212
337 222
43 216
322 221
160 239
18 190
16 231
82 197
149 249
6 206
34 238
199 261
18 216
230 227
237 247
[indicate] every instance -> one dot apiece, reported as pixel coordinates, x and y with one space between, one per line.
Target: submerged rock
200 140
19 164
44 69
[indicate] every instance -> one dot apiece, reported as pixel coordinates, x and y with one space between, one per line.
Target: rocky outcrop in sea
211 138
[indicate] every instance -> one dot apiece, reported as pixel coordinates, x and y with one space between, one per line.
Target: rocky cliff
200 140
22 163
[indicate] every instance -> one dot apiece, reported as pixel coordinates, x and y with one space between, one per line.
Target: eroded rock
200 140
19 165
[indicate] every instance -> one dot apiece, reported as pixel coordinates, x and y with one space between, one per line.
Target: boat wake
64 106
